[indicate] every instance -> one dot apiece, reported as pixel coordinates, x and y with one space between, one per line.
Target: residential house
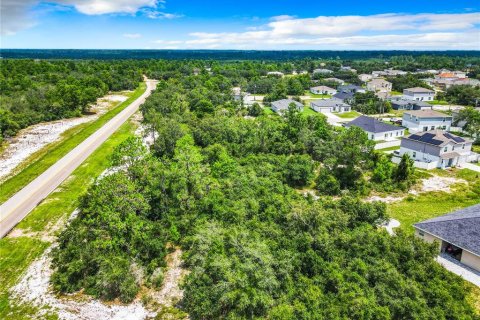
329 105
425 120
323 90
379 85
377 130
456 234
364 77
346 97
346 68
238 95
339 81
436 149
351 88
410 105
322 71
419 94
275 73
283 105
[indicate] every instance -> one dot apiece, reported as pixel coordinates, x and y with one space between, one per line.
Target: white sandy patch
390 225
437 183
32 139
35 288
387 199
170 293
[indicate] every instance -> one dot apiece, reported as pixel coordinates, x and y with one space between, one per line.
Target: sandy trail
32 139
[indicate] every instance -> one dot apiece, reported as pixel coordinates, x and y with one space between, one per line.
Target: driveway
19 205
460 269
334 120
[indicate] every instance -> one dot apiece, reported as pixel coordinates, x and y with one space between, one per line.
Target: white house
364 77
275 73
323 90
377 130
283 105
238 95
379 85
425 120
322 71
419 94
329 105
436 149
339 81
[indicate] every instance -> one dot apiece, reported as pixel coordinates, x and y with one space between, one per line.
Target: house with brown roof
379 85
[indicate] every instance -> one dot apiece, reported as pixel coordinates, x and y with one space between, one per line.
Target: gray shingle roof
328 103
344 95
372 125
461 228
285 103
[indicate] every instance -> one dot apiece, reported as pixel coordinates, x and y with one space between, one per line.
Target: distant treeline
220 54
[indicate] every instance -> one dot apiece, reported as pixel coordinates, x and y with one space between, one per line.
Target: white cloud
282 17
15 15
132 35
384 31
96 7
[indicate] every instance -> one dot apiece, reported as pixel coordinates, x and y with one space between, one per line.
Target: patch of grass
308 111
476 148
396 93
416 208
439 102
350 114
389 149
268 110
317 96
53 152
16 254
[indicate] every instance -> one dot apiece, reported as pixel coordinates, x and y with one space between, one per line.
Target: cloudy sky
241 24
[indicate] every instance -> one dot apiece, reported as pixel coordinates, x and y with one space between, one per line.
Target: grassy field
347 115
17 253
439 102
307 111
415 208
389 149
44 158
317 96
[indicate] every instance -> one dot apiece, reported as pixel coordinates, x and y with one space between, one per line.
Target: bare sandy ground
32 139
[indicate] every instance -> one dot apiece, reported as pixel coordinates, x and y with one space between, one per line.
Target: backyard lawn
347 115
439 102
317 96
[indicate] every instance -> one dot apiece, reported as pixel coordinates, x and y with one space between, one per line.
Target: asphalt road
19 205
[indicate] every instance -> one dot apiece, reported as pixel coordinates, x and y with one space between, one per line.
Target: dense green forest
232 186
33 91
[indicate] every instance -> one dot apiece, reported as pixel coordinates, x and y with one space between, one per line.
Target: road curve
19 205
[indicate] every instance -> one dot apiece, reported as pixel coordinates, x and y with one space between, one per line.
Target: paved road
18 206
470 166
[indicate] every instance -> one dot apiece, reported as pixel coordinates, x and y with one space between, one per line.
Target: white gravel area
35 288
437 183
390 225
32 139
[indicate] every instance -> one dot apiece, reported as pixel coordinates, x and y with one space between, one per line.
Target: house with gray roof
323 90
346 97
283 105
377 130
329 105
425 120
436 149
351 88
419 94
457 235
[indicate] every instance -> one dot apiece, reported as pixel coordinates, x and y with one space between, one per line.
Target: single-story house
283 105
351 88
377 130
457 235
346 97
347 68
425 120
379 85
323 90
419 94
410 105
437 148
322 71
329 105
238 95
275 73
339 81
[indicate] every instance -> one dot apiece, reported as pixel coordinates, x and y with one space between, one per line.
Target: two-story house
379 85
419 94
425 120
437 148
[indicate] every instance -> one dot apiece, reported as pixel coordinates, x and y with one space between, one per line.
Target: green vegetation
389 149
471 119
17 253
463 95
369 103
349 114
438 102
316 96
44 158
36 91
226 189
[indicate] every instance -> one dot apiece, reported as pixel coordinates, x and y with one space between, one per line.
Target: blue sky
280 24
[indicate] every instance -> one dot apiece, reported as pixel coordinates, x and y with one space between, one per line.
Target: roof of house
419 90
435 137
379 81
372 125
285 103
328 103
334 79
460 228
427 114
343 95
322 71
349 87
323 88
